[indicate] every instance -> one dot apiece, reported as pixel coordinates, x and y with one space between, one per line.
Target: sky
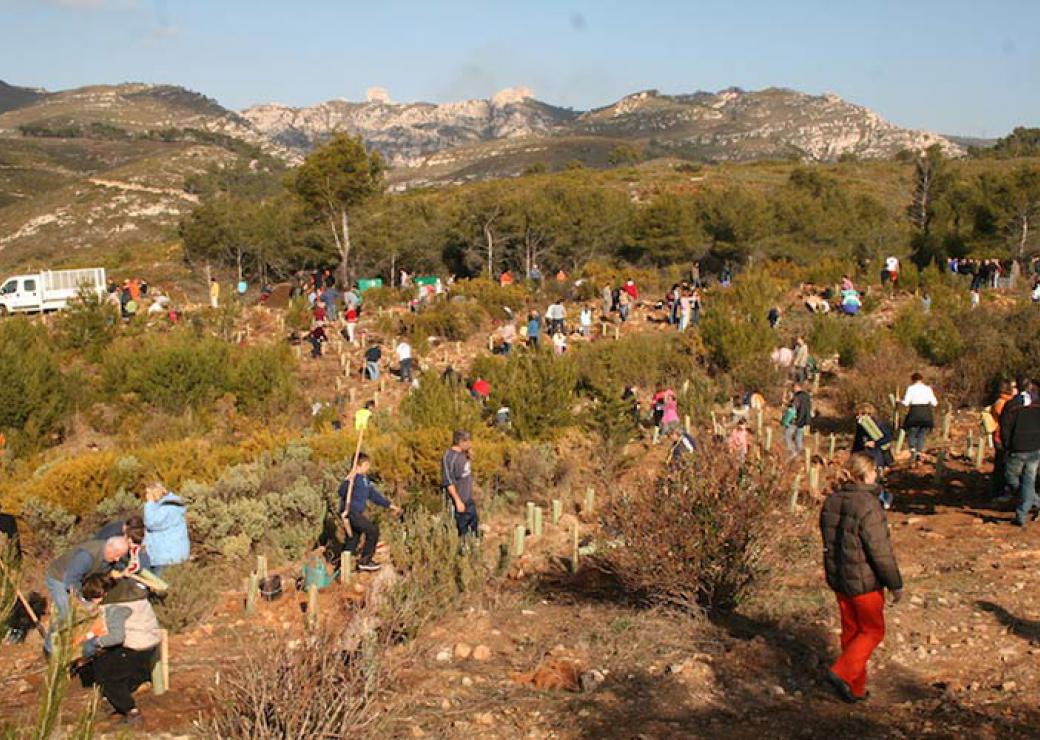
963 67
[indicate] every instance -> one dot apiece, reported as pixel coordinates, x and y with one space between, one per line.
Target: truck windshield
9 287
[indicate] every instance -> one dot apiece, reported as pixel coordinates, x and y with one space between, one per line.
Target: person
726 276
508 336
354 512
214 293
683 446
9 535
166 529
585 321
133 529
739 440
330 298
65 574
926 302
121 646
975 297
919 401
457 481
860 564
998 481
372 357
796 419
535 275
404 357
624 303
351 318
559 343
892 270
1020 431
773 317
666 413
555 315
534 329
481 390
800 362
631 395
850 302
873 438
505 279
364 415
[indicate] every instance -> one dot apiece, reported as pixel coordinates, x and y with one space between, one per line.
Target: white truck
50 290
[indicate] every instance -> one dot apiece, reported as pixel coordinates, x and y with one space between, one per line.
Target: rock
777 691
917 601
590 680
484 718
1007 686
445 704
676 668
482 653
23 686
467 681
463 651
444 656
417 731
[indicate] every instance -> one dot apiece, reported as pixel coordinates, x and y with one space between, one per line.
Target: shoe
1003 499
1019 523
866 695
843 689
369 566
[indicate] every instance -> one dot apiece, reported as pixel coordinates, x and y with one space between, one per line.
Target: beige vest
142 628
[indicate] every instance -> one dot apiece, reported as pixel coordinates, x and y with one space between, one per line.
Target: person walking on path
555 315
796 419
372 357
534 330
1020 430
404 359
354 512
457 481
214 293
998 481
874 439
860 564
920 402
608 301
800 363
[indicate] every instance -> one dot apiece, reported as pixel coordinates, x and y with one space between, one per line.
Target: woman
166 530
860 564
585 320
122 642
534 329
919 401
351 317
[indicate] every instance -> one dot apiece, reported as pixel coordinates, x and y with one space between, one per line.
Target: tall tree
1020 203
334 180
931 177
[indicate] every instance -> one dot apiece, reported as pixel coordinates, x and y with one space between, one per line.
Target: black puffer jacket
857 550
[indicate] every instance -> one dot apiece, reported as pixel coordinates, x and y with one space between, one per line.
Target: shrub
440 403
88 324
491 296
832 335
538 387
262 378
700 536
385 297
438 569
34 395
885 371
192 597
646 360
51 527
531 471
448 320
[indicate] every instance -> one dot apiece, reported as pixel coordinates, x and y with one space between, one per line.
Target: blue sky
961 67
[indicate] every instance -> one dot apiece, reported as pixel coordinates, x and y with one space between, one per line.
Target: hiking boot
369 566
843 689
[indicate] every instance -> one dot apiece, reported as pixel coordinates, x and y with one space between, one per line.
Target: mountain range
106 164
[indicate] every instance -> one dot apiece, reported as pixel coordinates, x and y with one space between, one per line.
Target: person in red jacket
630 288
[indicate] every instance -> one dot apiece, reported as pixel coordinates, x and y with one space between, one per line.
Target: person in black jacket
874 439
798 416
9 530
1020 433
860 564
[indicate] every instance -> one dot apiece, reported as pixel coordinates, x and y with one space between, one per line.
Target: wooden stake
352 394
900 440
980 453
557 511
161 669
940 466
947 418
518 541
382 383
261 567
831 451
686 423
603 328
312 607
794 492
814 480
590 500
574 550
538 523
769 439
758 422
816 383
491 343
617 331
808 459
530 517
816 442
252 593
346 566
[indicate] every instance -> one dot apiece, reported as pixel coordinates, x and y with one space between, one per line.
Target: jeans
372 370
1021 476
468 522
361 525
915 437
998 481
59 608
794 438
119 671
406 369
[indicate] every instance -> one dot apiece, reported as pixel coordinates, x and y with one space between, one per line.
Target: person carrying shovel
354 494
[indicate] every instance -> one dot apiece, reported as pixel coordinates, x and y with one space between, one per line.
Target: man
1020 432
354 512
920 402
214 293
66 573
404 358
998 481
372 357
798 416
555 315
457 480
330 297
683 445
801 360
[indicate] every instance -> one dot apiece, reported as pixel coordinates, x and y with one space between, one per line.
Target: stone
463 651
467 681
484 718
482 653
1007 686
444 656
777 691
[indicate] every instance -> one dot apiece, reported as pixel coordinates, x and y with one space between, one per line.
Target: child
738 441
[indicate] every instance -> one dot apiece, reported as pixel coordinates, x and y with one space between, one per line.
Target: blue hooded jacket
166 530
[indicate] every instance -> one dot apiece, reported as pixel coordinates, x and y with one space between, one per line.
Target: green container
367 283
426 280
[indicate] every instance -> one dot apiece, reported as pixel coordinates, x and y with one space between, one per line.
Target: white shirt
404 351
892 264
920 394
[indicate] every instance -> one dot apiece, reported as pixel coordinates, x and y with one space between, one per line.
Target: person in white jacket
920 402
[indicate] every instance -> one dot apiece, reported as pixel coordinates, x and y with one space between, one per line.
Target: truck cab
20 293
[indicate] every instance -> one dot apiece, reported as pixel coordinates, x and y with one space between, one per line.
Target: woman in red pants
860 565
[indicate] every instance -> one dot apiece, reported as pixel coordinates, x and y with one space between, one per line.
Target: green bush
51 527
89 325
538 387
440 403
385 297
491 296
645 360
736 330
193 595
833 334
35 398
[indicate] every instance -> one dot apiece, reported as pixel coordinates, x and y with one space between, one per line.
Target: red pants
862 630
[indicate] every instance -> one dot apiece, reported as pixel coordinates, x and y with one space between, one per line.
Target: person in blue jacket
166 528
354 511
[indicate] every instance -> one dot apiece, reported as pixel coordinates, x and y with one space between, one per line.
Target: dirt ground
548 654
